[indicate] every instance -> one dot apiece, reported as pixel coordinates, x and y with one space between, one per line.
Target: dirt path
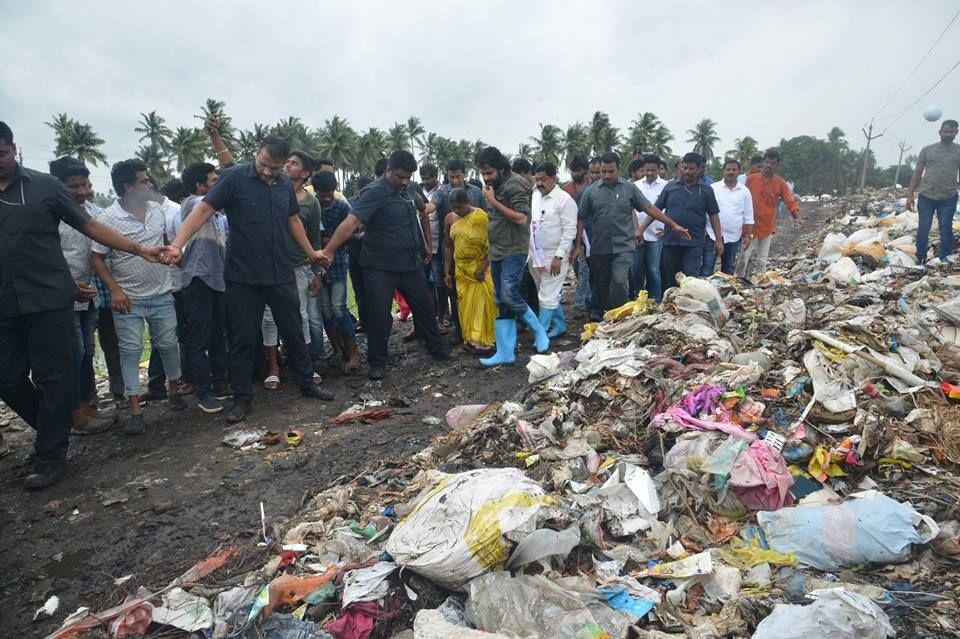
152 506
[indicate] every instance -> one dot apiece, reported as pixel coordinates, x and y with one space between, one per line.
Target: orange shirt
765 193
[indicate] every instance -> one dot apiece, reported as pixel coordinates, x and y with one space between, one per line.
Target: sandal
272 382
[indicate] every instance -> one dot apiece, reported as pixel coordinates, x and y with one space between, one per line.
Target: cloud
492 71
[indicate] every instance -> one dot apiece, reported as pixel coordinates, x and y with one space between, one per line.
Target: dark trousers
379 286
454 311
244 305
728 261
206 347
679 259
35 376
528 289
107 334
356 281
611 278
157 377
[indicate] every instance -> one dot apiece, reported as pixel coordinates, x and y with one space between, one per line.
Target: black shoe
45 476
177 403
134 425
237 413
441 356
316 392
222 391
376 372
153 395
209 405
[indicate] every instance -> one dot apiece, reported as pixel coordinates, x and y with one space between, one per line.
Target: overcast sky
491 70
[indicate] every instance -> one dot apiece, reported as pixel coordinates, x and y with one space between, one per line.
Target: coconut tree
415 132
704 136
602 133
548 147
188 145
248 141
227 131
576 141
370 147
154 131
397 137
156 160
76 140
743 149
338 141
293 130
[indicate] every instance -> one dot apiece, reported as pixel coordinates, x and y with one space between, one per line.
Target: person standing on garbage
393 256
509 197
616 232
37 294
736 221
553 228
936 176
262 210
646 259
765 187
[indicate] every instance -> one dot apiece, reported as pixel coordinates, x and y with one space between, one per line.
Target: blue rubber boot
540 338
506 331
546 316
559 324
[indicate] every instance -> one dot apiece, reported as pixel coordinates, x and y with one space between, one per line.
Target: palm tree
549 146
338 141
576 141
703 137
836 136
524 152
188 145
397 138
293 130
743 149
415 132
643 131
227 132
155 159
248 142
370 147
609 140
76 140
154 130
661 142
602 133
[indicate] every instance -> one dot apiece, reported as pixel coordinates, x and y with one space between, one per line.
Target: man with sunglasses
37 294
262 210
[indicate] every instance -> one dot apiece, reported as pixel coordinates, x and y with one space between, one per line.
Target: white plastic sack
430 624
832 248
843 272
466 524
630 500
182 610
367 584
869 529
836 395
834 614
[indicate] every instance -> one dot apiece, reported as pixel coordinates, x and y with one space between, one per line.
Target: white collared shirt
736 209
553 226
139 278
650 190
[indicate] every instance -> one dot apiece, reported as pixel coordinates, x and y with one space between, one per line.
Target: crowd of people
225 264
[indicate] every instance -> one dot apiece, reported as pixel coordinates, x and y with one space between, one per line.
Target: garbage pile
775 459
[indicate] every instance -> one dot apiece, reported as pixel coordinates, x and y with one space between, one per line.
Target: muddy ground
153 505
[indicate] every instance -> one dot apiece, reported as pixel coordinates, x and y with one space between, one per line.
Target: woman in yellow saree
466 252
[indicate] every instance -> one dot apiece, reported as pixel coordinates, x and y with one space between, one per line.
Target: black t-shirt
393 239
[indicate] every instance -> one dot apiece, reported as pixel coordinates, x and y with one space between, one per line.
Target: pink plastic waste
760 478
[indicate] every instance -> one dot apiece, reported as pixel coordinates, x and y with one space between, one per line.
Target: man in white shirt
736 221
646 259
553 228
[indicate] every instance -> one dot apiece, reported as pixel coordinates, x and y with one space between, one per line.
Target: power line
922 60
925 94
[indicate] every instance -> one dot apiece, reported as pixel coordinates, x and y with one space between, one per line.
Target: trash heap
775 459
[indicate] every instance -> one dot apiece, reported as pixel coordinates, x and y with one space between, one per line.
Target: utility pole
866 154
903 147
20 153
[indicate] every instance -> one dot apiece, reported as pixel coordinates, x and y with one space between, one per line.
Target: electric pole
903 147
866 154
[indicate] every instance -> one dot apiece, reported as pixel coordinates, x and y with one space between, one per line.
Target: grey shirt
609 208
76 250
941 166
506 237
138 278
205 253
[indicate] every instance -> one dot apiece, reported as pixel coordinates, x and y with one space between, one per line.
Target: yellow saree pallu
474 299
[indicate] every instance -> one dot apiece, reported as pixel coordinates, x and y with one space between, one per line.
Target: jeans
611 278
107 335
84 324
944 210
206 347
646 269
34 382
245 304
728 261
315 317
333 303
581 297
436 268
507 275
379 286
680 259
160 316
156 376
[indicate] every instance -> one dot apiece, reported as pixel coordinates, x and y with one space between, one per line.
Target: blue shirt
331 218
689 207
706 179
609 207
393 239
258 214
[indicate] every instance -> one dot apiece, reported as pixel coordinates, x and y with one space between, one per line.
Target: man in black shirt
394 252
262 210
36 303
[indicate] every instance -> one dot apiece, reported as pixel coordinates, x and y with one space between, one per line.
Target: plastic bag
760 478
463 526
834 613
460 416
872 528
832 248
843 272
695 295
630 500
431 624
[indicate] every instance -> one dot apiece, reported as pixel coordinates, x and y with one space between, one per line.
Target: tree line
815 165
